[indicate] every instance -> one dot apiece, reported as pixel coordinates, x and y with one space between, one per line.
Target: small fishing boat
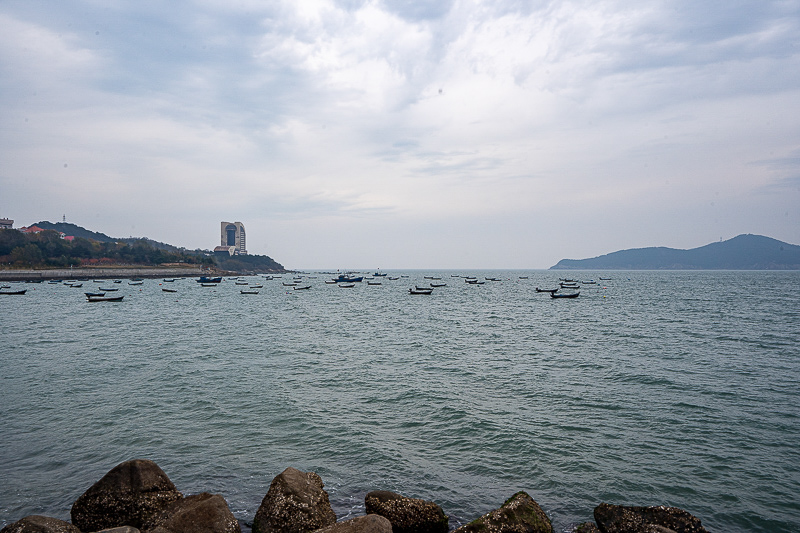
108 289
117 281
347 285
77 285
14 293
135 282
379 274
551 291
349 279
395 278
165 280
523 277
303 288
248 292
104 298
564 295
206 279
373 283
289 284
423 288
242 283
208 284
169 290
256 286
94 294
438 284
330 282
418 290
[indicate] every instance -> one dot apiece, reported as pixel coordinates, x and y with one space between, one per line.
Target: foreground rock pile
138 497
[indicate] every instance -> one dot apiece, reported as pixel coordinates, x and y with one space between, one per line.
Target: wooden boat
108 290
117 281
523 277
394 278
208 284
420 291
169 290
165 280
569 286
303 288
330 282
438 284
289 284
564 295
417 287
248 292
77 285
34 281
347 285
241 283
135 282
14 293
94 294
373 283
474 282
256 286
206 279
551 291
104 299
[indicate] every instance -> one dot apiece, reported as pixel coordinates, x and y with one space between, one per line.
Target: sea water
650 388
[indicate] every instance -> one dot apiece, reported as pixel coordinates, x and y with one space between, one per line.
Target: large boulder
586 527
370 523
130 494
200 513
40 524
296 502
519 514
407 515
657 519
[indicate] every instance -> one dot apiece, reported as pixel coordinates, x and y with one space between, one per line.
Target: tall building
232 234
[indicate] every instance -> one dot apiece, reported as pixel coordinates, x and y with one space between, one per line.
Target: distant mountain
745 252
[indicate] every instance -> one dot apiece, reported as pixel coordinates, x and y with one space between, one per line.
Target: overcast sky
405 134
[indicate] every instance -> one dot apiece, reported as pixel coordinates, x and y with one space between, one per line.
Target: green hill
744 252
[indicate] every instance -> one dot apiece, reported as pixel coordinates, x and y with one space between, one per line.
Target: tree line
48 249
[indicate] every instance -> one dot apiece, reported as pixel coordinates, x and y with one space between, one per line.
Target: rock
130 494
200 513
407 515
659 519
371 523
586 527
519 514
295 503
121 529
40 524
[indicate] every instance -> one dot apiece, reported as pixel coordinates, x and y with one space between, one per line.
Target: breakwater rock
138 497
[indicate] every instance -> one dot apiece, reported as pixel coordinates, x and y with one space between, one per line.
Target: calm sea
674 388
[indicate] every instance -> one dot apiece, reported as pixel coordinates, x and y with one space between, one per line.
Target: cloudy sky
405 134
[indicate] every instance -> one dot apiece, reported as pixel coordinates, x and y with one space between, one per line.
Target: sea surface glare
673 388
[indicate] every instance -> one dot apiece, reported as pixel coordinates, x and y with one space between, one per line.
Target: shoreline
86 273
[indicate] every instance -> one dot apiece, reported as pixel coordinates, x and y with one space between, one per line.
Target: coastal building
6 223
232 234
225 250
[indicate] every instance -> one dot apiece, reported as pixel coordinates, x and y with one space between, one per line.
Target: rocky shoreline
138 497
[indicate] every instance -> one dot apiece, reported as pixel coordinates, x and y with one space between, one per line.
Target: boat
330 282
569 286
77 285
564 295
474 282
373 283
117 281
349 279
104 299
303 288
551 291
208 284
423 288
438 284
94 294
165 280
248 292
347 285
34 281
289 284
206 279
135 282
170 290
108 290
379 274
256 286
394 278
242 283
14 293
492 279
523 277
5 287
420 291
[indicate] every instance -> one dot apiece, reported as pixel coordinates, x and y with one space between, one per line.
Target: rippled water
676 388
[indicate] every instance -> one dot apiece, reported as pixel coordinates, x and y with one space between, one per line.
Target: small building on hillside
225 250
6 223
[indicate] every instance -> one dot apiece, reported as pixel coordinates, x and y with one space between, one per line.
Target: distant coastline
744 252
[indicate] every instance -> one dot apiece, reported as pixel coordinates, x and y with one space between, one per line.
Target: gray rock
519 514
200 513
122 529
295 503
407 515
40 524
371 523
130 494
586 527
658 519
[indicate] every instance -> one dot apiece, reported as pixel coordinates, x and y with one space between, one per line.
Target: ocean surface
651 388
